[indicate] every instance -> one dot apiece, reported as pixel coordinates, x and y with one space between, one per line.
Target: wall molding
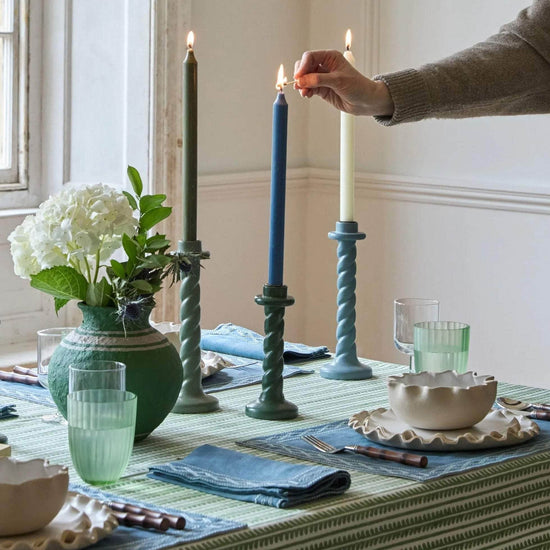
458 193
250 184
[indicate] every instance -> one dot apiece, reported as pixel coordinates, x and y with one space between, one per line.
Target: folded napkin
235 340
243 476
8 411
210 362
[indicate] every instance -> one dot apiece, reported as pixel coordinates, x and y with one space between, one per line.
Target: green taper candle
189 141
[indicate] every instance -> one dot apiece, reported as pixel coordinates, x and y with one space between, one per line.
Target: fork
373 452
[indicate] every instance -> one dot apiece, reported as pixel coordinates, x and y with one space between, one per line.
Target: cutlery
141 520
22 378
511 403
522 408
176 522
373 452
23 370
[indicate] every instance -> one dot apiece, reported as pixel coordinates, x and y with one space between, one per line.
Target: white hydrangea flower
25 263
72 228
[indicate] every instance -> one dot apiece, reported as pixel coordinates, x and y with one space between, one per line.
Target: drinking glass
441 345
102 420
407 312
47 341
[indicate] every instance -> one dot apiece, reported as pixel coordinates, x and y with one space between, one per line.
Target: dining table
502 505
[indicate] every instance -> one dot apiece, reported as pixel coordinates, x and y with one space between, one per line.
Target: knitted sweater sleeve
507 74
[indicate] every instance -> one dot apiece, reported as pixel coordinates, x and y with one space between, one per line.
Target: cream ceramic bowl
31 494
441 400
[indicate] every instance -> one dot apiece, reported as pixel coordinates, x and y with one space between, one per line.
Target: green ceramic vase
153 365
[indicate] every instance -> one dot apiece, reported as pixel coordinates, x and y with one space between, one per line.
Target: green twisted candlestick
272 405
191 398
345 365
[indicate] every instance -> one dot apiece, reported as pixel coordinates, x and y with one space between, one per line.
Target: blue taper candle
278 185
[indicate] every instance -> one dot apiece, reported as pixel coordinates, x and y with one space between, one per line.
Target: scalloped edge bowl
31 494
441 400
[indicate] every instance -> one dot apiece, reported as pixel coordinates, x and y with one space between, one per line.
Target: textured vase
153 366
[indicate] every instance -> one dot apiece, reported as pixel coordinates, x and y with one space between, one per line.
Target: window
13 70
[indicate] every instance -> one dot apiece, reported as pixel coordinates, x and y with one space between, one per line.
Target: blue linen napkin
8 411
235 340
243 476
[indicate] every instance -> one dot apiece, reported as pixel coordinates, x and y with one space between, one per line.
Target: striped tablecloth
503 506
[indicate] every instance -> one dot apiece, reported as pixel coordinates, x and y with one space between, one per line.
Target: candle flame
190 40
281 79
348 39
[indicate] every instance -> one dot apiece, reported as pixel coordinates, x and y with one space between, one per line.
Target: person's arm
507 74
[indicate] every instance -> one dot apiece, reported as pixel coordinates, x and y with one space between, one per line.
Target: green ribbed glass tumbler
101 433
102 420
441 345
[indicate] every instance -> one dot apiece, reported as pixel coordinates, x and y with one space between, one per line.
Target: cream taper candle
347 153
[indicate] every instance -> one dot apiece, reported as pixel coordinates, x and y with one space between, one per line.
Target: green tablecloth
503 506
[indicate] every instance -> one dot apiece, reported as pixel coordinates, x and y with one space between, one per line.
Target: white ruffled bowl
31 494
441 400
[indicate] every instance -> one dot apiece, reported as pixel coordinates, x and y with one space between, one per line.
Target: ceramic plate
82 521
497 429
211 362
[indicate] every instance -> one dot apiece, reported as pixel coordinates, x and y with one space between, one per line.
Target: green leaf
141 239
142 285
155 237
135 180
155 261
156 242
99 294
59 303
118 269
130 248
131 200
151 218
62 282
148 202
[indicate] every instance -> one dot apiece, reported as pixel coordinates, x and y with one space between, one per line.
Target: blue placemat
26 392
197 526
439 463
244 374
228 338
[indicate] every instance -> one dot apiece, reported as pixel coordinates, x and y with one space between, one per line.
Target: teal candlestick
345 365
272 405
191 398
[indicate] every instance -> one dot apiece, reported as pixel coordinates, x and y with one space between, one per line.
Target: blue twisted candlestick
191 398
345 365
272 405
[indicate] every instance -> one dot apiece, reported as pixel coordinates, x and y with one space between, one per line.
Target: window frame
16 177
